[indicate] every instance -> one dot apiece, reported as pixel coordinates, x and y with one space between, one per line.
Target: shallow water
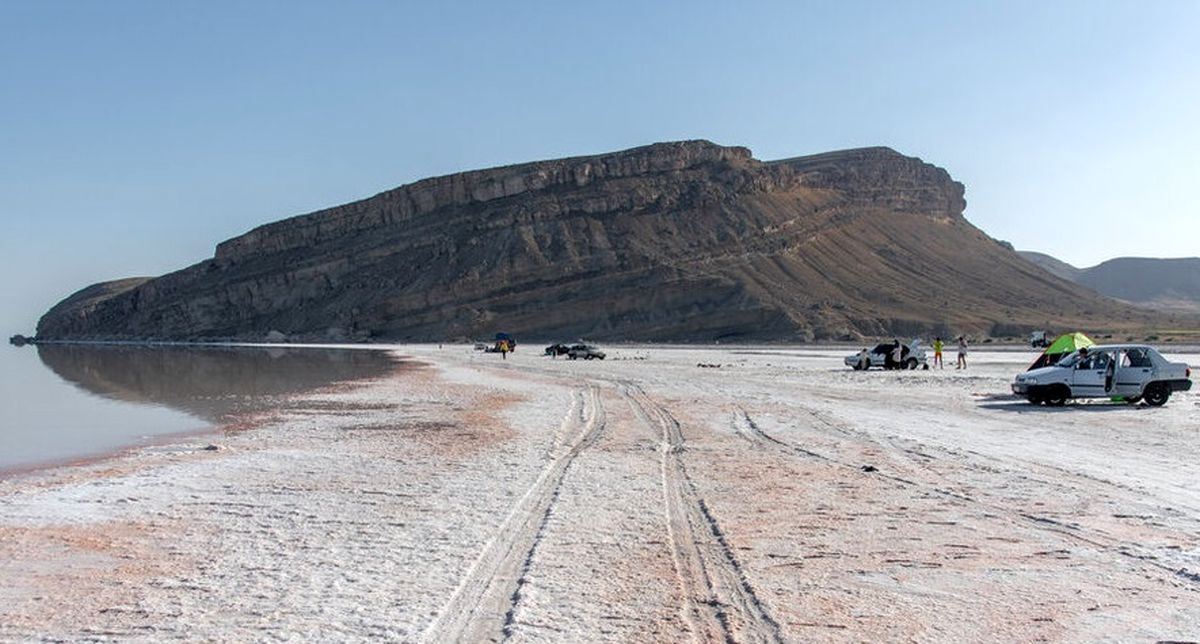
62 402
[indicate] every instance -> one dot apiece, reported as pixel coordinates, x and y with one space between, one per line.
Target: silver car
1133 372
912 356
585 351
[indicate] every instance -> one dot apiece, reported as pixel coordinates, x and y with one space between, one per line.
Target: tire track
482 606
745 427
1095 538
718 603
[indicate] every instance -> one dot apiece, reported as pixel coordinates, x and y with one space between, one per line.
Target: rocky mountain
1164 284
687 241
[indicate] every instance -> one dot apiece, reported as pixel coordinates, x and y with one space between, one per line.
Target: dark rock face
673 241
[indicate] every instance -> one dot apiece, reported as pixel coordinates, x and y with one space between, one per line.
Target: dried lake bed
667 493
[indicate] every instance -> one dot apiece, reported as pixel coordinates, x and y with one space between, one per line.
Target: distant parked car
911 356
585 351
481 346
1135 372
1039 339
558 349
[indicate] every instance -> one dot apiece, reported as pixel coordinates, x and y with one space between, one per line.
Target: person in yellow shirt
937 352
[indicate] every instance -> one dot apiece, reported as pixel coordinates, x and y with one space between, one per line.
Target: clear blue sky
134 136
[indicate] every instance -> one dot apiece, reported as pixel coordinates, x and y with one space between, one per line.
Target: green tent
1063 345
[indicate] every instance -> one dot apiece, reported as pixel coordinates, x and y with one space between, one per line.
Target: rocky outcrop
673 241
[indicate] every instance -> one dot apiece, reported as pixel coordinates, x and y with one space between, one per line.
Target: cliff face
673 241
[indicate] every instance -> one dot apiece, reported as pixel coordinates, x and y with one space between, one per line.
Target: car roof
1104 347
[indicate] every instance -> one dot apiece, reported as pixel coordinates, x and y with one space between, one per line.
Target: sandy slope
778 497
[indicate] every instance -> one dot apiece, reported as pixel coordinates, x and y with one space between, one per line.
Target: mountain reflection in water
211 383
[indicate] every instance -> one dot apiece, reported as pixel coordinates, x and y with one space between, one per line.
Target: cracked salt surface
639 500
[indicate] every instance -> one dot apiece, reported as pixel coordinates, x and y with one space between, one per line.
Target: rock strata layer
687 241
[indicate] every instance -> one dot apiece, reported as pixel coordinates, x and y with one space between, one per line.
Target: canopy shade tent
1063 345
505 343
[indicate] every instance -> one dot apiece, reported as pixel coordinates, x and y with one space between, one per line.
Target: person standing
962 352
937 352
897 355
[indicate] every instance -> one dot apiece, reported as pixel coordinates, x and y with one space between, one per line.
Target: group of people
896 355
938 344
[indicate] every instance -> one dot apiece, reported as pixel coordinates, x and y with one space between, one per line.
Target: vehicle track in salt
482 605
919 460
718 603
745 427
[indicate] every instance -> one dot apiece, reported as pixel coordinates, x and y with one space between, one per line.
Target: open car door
1134 371
1095 375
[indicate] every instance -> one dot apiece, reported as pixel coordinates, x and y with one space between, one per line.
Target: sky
135 136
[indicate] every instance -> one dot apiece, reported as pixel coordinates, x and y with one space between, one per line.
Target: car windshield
1070 360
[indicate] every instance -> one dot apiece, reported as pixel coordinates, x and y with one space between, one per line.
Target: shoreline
204 425
16 473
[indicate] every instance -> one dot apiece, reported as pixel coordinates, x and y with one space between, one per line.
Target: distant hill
688 241
1165 284
1052 265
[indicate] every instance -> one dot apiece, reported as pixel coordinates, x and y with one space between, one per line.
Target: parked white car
912 356
585 351
1135 372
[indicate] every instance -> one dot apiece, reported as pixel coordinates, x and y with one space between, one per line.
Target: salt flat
770 495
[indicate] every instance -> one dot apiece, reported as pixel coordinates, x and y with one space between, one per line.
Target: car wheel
1157 394
1057 397
911 364
1034 400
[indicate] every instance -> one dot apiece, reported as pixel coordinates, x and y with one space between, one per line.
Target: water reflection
211 383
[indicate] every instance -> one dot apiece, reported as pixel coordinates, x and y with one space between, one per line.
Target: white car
1134 372
912 356
585 351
